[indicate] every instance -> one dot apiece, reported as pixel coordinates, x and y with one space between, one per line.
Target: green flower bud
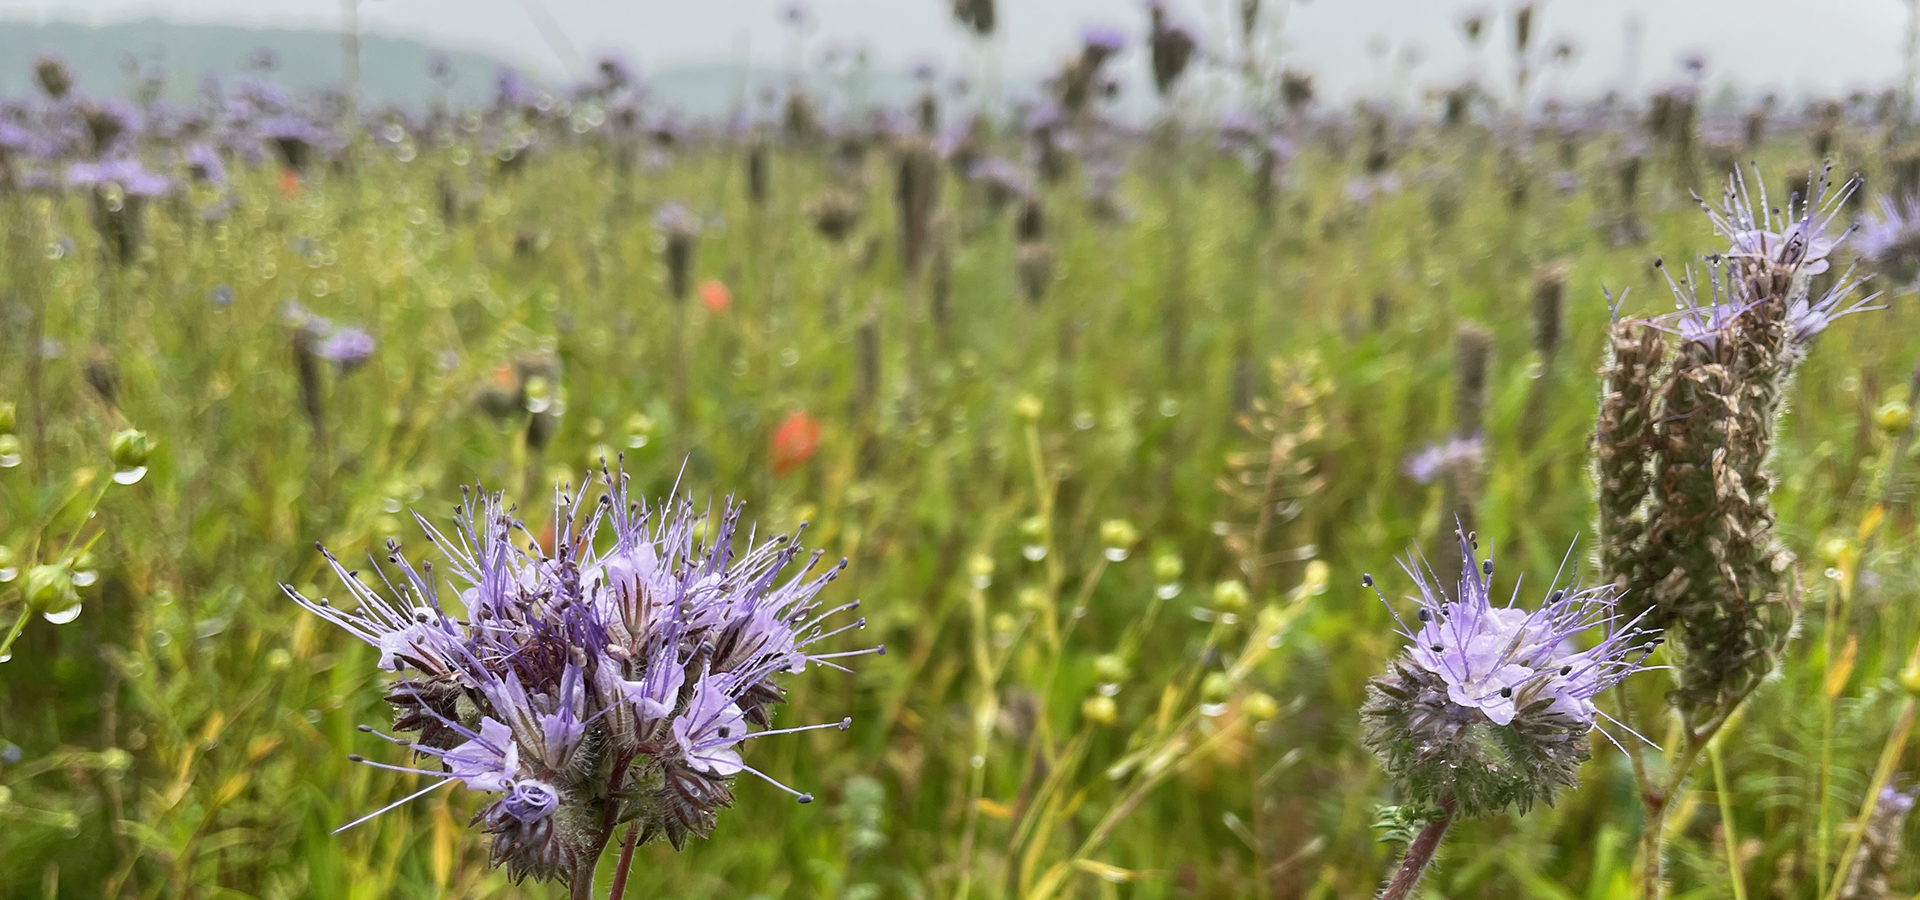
10 449
1167 567
130 449
1216 688
1033 599
1118 533
1231 596
1893 417
1033 529
1100 710
1028 408
1003 623
980 568
1260 706
49 589
8 416
1110 668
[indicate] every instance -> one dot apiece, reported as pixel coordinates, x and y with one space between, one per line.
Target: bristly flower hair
610 677
1490 706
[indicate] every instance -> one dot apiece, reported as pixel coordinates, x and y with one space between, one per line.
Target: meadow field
1108 419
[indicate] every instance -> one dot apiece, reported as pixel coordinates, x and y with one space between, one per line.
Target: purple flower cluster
612 677
1771 256
1490 706
1500 660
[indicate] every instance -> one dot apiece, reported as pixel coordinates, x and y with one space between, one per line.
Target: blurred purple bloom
126 173
347 348
1433 460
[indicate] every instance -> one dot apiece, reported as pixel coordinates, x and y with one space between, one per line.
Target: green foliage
187 734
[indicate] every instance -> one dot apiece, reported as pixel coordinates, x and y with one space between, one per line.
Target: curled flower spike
1490 705
609 674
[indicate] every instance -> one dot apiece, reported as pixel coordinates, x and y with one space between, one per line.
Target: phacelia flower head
1490 704
1891 239
347 348
1436 459
611 673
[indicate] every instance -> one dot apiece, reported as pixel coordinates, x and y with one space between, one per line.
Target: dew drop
129 475
62 617
1116 554
1167 591
1034 552
85 578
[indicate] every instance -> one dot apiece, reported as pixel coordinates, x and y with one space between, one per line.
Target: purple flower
1891 239
1101 42
347 348
626 661
125 173
1430 462
1492 704
205 165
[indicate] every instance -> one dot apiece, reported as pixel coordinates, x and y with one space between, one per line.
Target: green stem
1724 799
19 625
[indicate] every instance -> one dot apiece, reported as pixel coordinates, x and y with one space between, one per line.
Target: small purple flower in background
1694 63
264 59
205 165
1430 462
797 16
1099 43
347 348
221 295
1891 238
1004 182
125 173
611 673
1491 705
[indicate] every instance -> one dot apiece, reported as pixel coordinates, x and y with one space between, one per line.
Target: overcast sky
1791 45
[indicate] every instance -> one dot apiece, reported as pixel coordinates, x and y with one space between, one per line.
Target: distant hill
106 59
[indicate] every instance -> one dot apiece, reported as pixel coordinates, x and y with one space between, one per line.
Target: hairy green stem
1419 855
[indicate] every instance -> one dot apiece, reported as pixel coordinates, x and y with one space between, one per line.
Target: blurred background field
1109 404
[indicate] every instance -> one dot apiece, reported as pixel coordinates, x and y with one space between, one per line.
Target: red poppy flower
715 296
795 440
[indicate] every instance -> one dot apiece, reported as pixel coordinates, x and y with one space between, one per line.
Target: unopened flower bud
1028 407
8 416
1231 596
130 449
1910 680
1110 668
1100 710
1118 533
1004 623
1033 599
1834 549
1033 529
980 569
1167 567
1216 688
1892 417
49 589
1260 706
